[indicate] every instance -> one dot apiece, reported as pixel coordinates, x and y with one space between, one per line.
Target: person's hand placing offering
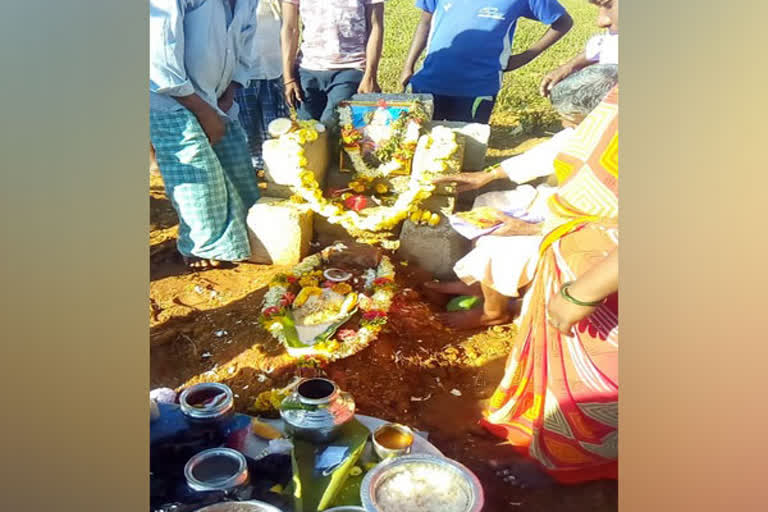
467 181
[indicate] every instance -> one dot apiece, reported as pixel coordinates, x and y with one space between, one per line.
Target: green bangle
567 296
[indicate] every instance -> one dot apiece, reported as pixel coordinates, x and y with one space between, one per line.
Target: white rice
422 487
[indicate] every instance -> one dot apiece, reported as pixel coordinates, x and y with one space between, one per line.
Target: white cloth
504 262
266 41
603 49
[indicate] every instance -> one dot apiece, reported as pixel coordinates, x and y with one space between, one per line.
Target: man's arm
418 44
289 40
374 14
167 72
555 32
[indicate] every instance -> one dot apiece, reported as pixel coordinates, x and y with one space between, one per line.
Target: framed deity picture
378 130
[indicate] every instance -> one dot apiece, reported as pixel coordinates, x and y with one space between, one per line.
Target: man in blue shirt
201 53
469 47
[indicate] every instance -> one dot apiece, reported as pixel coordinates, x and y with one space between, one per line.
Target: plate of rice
421 483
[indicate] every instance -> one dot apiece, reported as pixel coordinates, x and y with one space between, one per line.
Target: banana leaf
313 492
292 336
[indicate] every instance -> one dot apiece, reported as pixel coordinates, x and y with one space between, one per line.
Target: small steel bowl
240 506
224 408
376 476
216 469
387 453
337 275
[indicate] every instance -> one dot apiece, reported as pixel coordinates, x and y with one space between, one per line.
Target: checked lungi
260 103
210 187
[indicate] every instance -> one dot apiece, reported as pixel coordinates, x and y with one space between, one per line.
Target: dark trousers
323 90
459 108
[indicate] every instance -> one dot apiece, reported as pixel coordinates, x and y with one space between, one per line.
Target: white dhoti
505 263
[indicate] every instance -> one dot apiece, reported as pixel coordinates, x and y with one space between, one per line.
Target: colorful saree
558 399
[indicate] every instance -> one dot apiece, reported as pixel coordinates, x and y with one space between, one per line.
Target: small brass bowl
386 452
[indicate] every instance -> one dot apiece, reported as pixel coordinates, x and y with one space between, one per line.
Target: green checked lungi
211 187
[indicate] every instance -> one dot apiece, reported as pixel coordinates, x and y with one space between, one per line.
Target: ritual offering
317 317
463 303
379 141
421 483
477 222
392 440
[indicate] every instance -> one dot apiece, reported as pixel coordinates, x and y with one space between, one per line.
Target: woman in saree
558 400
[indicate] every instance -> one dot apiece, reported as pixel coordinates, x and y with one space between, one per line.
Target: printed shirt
470 42
334 34
603 49
199 46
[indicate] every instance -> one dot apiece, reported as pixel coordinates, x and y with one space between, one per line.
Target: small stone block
327 234
435 249
477 136
279 231
277 171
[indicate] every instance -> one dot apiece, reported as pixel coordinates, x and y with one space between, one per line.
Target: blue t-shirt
470 43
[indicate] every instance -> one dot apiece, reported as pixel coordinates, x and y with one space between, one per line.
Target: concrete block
477 136
274 190
435 249
316 152
279 232
327 234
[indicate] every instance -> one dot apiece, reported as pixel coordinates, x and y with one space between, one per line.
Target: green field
519 101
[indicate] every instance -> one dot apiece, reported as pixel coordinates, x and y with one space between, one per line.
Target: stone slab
426 99
276 171
477 136
279 232
435 249
327 234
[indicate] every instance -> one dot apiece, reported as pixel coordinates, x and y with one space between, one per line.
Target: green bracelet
567 296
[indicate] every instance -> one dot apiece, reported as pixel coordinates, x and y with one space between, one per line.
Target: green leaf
316 493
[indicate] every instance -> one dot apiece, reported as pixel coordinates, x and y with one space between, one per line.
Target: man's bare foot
196 263
473 319
454 288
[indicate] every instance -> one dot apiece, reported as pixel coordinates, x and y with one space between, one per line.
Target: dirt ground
203 327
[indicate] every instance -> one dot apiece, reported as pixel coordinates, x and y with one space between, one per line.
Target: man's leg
467 110
198 189
250 119
314 94
232 152
342 85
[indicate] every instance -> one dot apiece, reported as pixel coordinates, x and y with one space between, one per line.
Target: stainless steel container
317 410
469 483
241 506
217 469
209 402
385 452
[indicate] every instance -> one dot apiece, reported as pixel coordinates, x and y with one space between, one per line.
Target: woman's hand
563 315
552 78
466 181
